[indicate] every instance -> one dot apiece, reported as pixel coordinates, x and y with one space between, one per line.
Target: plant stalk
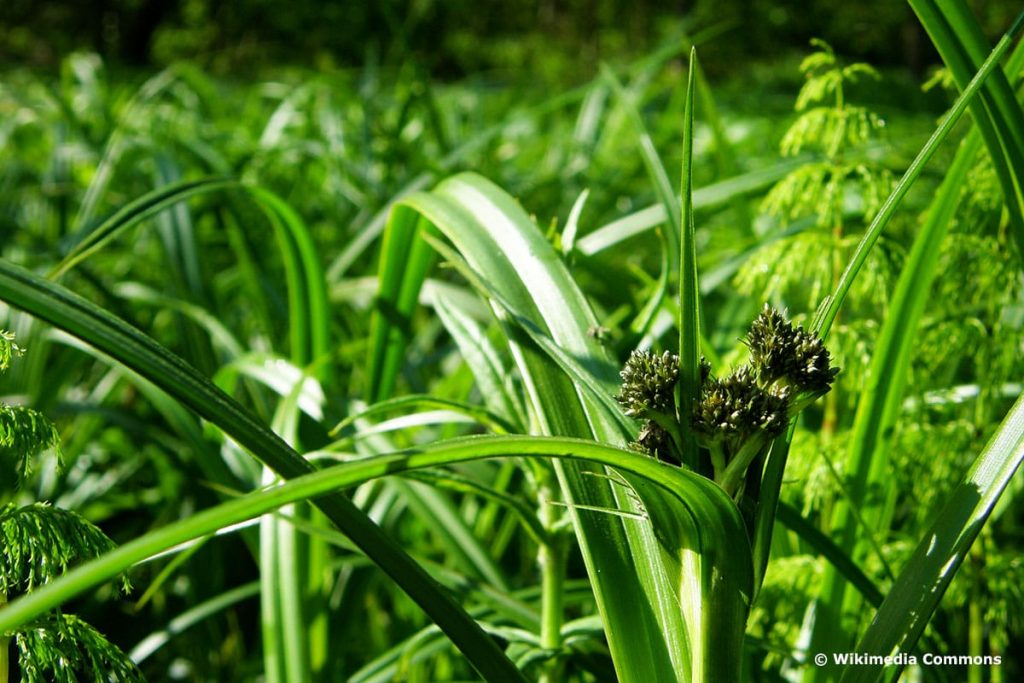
5 648
736 470
551 558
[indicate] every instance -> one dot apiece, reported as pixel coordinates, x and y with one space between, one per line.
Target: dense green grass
334 359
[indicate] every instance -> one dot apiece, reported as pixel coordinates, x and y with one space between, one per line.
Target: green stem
5 648
671 426
975 618
737 467
551 558
717 460
974 646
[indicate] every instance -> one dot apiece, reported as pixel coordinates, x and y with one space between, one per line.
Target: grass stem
5 647
551 559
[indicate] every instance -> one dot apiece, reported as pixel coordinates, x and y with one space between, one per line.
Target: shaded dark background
453 38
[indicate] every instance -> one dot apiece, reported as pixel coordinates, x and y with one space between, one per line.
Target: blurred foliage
550 39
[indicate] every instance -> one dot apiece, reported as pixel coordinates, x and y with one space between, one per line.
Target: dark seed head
778 351
770 341
736 406
813 369
648 383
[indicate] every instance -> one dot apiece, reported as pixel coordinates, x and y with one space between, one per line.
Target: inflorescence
737 415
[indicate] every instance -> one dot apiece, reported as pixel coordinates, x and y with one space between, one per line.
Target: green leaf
830 307
689 286
694 500
704 198
632 566
81 318
997 113
133 213
413 402
920 586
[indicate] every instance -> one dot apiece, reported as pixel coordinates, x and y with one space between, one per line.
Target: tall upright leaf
640 590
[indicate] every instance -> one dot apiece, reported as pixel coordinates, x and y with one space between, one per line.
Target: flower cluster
648 383
781 352
736 415
648 392
734 407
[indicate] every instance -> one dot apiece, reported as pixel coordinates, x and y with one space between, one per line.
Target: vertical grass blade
405 261
997 113
689 287
823 321
881 401
307 290
920 586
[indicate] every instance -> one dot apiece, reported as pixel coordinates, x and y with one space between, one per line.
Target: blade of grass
997 113
695 498
289 620
307 286
413 402
82 319
919 588
92 240
827 548
704 198
878 409
689 286
830 307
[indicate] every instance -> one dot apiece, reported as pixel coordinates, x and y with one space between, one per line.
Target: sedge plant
671 534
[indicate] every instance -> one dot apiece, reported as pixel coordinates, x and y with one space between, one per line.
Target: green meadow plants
844 184
544 433
41 542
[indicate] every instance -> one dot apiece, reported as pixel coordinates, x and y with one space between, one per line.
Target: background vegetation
283 135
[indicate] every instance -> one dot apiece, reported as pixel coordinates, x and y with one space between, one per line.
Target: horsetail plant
840 185
39 543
